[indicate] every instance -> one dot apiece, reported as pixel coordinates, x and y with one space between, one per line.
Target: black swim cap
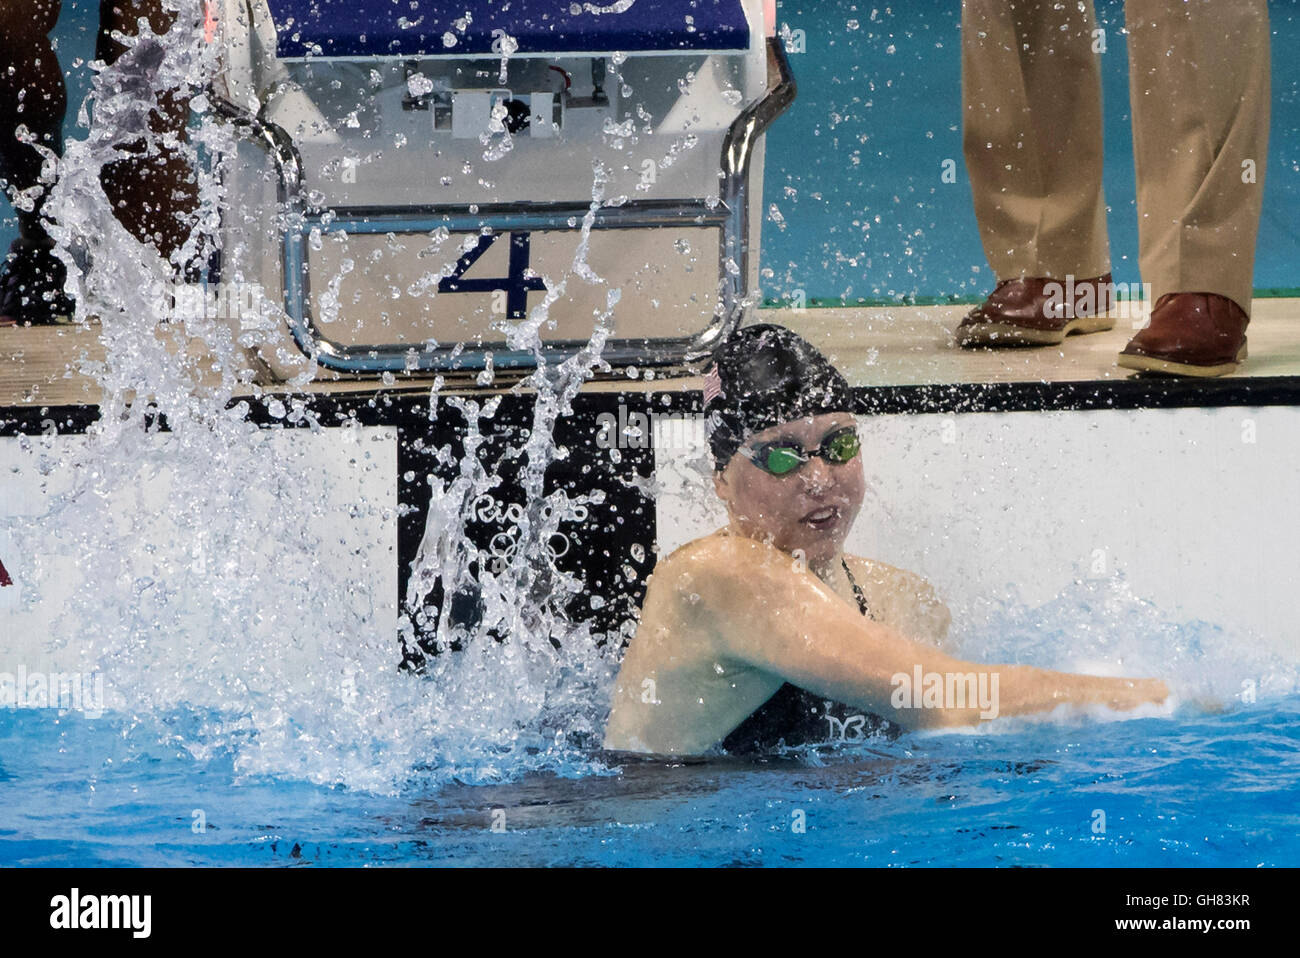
762 376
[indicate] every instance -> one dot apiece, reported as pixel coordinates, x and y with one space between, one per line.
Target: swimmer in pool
766 632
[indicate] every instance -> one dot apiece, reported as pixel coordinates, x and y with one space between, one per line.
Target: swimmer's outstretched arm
763 609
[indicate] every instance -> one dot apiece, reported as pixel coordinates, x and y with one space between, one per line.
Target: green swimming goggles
783 456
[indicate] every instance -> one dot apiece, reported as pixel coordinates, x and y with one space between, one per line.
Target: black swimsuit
794 716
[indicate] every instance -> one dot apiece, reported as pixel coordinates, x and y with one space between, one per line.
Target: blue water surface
1192 790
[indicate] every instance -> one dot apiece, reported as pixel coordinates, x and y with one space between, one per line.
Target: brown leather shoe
1038 311
1190 334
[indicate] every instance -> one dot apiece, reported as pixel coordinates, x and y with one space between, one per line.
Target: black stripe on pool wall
1135 393
1154 392
36 420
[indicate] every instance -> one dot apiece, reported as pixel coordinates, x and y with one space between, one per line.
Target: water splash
1101 626
228 634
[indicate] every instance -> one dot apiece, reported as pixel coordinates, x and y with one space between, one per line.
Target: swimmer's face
810 509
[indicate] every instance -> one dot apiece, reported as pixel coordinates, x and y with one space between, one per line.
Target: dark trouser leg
32 94
154 196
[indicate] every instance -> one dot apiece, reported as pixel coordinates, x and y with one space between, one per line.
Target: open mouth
822 518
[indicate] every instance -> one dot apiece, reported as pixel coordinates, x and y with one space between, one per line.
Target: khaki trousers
1032 138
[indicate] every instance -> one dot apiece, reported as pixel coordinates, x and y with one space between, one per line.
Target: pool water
1188 790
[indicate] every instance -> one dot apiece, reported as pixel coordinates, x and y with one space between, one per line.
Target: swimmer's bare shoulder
905 600
674 573
694 576
720 556
703 600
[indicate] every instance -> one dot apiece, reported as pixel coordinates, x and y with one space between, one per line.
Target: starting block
472 189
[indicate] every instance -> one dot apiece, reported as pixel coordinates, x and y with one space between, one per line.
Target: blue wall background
854 168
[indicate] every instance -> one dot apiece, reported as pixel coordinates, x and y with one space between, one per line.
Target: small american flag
712 384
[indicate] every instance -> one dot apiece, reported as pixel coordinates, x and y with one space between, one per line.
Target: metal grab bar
730 216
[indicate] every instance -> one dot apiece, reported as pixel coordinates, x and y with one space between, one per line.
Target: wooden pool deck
875 346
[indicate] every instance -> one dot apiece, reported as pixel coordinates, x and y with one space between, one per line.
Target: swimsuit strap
857 591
